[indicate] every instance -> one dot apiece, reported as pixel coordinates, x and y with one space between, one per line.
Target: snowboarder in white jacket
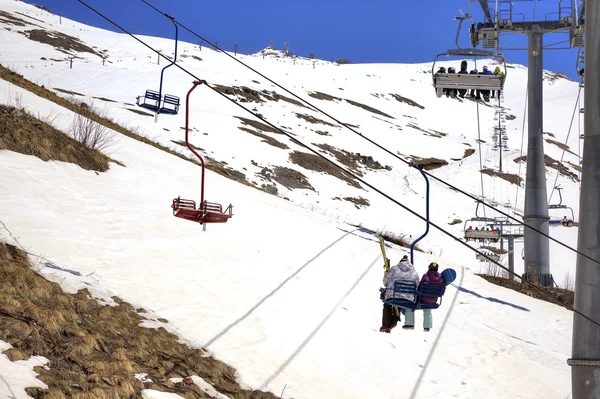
404 271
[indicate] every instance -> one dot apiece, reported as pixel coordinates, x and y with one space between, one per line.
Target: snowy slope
284 294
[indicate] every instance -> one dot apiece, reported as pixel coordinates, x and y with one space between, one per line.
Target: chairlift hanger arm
486 10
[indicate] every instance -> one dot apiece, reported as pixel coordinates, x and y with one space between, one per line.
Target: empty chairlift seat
459 81
207 213
170 105
150 100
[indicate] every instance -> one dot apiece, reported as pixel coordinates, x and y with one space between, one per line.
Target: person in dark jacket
443 70
465 71
485 93
451 92
473 91
431 277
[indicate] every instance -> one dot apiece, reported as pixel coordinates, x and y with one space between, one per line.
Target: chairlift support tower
585 361
504 20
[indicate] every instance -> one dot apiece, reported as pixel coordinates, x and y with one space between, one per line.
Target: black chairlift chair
565 222
154 100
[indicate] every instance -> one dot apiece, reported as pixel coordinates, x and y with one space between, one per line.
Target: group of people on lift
477 94
405 271
483 229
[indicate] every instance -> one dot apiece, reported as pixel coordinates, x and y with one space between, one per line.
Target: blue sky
361 31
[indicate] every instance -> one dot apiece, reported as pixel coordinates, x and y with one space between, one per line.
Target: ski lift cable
376 144
355 176
317 109
575 111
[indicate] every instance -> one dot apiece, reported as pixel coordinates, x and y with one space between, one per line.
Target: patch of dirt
23 133
468 152
351 160
94 349
576 167
509 177
426 132
196 57
266 139
243 94
428 163
8 18
89 112
183 144
287 177
510 117
316 163
59 41
554 164
139 112
560 145
561 296
408 101
368 108
322 133
312 119
258 125
322 96
72 93
455 221
358 202
273 96
108 100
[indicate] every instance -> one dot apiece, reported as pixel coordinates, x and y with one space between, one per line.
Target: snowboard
449 275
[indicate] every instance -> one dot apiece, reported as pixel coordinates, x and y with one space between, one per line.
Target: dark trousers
389 318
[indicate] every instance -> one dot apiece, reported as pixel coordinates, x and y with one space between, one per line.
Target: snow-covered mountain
286 291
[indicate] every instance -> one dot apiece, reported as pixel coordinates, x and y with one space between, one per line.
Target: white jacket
404 271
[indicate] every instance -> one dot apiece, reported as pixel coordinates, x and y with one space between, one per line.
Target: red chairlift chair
207 212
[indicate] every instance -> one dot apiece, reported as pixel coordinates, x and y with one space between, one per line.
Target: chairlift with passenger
154 100
462 81
565 221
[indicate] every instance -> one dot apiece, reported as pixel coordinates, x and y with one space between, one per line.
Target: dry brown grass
287 177
368 108
23 133
509 177
428 163
265 138
560 296
556 165
88 112
560 145
358 202
407 101
351 160
323 96
316 163
60 41
312 119
468 152
94 350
